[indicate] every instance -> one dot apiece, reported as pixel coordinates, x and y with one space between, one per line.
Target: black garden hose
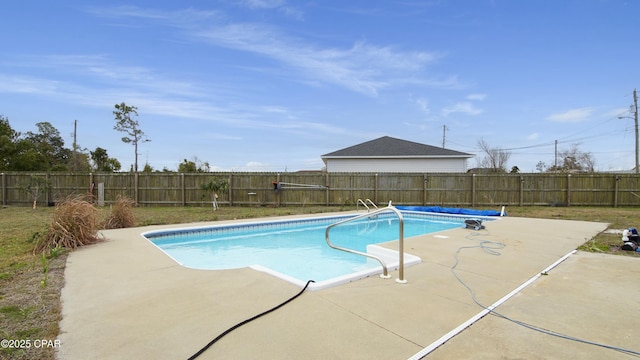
246 321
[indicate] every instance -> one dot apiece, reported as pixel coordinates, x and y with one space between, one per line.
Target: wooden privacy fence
299 189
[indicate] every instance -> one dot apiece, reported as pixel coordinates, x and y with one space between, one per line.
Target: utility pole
75 163
556 156
635 118
635 105
75 138
444 134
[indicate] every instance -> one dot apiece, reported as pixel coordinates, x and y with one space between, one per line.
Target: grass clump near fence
121 215
74 224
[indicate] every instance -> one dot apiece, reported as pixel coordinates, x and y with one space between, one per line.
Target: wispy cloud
476 97
279 5
620 112
27 85
219 136
108 83
574 115
466 108
124 13
268 4
102 73
363 67
424 105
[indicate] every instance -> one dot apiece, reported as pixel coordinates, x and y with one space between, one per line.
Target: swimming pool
296 250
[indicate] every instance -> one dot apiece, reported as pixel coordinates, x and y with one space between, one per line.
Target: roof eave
466 156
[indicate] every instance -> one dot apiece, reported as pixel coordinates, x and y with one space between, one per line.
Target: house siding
398 165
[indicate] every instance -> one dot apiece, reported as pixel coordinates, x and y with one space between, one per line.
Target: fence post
326 186
4 189
183 191
521 190
230 189
101 194
568 190
473 190
615 193
47 197
278 192
91 186
375 188
425 184
135 188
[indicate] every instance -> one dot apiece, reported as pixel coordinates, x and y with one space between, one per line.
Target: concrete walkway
124 298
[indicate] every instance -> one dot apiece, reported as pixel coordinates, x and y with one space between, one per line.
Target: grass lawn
30 284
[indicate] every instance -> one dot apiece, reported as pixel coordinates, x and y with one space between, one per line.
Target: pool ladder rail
364 203
385 271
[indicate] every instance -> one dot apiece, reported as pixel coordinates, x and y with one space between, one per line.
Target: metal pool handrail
360 201
385 274
364 203
371 202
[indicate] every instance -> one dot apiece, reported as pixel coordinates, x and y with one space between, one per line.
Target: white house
387 154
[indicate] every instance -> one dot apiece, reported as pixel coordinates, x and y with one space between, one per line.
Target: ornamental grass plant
121 215
74 224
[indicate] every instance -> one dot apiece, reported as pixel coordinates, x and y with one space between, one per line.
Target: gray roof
387 146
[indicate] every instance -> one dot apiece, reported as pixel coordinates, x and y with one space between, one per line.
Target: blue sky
271 85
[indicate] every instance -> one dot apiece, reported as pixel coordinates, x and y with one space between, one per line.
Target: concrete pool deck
124 298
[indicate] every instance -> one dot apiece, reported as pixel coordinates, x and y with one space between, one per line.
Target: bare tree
574 159
126 124
494 159
35 187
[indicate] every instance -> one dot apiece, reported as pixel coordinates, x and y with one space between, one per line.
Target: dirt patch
30 309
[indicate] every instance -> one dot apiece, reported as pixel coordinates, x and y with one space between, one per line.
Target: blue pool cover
445 210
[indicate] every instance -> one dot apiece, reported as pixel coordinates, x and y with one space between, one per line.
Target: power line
593 127
588 135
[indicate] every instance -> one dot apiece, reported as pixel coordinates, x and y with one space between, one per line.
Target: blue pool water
296 248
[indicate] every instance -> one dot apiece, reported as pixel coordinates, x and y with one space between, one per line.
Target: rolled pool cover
445 210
